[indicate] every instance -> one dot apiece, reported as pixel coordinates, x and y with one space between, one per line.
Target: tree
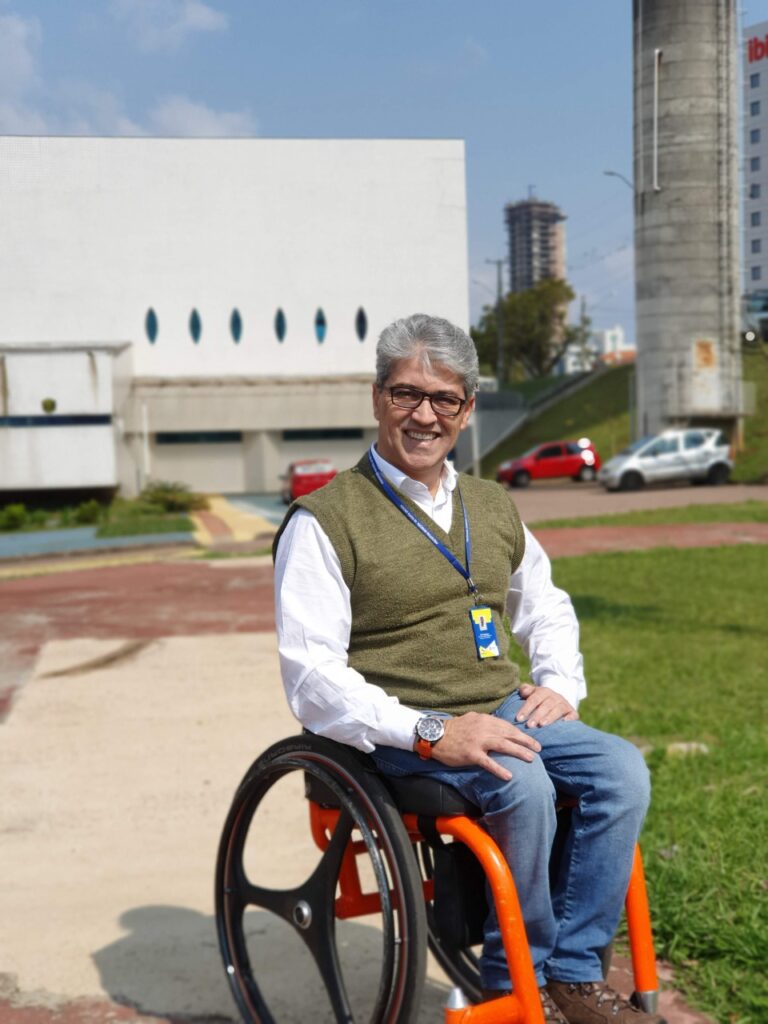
534 331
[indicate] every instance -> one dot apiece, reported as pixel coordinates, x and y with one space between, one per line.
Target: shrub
13 517
172 497
39 517
88 513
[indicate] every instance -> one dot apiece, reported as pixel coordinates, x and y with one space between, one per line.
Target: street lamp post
499 328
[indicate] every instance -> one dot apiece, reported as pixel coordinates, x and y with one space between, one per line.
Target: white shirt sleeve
544 623
313 618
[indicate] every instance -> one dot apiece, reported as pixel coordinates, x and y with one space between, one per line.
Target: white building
207 310
609 346
755 158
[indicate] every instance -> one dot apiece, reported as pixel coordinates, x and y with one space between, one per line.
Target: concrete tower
686 213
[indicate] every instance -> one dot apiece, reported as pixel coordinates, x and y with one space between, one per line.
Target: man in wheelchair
392 583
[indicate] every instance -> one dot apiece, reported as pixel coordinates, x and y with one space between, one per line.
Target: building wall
56 417
130 240
96 232
755 149
536 241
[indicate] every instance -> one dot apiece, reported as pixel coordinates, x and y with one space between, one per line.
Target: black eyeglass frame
431 397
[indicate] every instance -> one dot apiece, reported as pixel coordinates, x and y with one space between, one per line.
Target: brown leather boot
551 1013
594 1002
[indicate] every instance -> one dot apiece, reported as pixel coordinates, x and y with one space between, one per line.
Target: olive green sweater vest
411 631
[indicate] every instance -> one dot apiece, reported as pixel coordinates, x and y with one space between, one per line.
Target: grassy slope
600 412
674 646
752 462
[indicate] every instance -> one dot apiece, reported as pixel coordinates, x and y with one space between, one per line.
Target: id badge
484 632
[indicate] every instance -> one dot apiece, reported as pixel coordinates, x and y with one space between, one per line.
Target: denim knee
529 792
628 779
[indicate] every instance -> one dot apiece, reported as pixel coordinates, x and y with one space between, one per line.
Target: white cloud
165 24
179 115
84 109
19 77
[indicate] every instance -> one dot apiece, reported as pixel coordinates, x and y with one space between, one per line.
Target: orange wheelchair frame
354 814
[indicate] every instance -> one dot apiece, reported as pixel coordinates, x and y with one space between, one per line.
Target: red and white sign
757 49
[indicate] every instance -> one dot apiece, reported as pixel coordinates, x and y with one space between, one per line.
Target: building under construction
536 243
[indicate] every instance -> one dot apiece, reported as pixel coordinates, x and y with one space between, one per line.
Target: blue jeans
567 925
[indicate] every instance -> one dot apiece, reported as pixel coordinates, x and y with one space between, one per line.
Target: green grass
738 512
133 526
598 411
752 461
674 646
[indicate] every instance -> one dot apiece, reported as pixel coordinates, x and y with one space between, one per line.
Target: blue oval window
280 325
150 325
195 326
320 325
236 326
361 324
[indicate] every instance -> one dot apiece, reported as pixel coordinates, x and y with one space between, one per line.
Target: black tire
390 991
587 474
522 478
631 481
718 474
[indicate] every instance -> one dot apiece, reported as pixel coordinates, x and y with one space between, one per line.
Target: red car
576 459
305 476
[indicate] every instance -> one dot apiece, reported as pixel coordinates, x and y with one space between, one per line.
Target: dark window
693 439
552 452
573 449
77 420
754 190
754 163
150 325
236 326
754 108
756 273
754 80
328 434
320 325
195 326
756 245
281 325
754 135
754 219
360 324
199 437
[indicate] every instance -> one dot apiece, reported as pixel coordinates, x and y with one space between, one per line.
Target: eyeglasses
411 398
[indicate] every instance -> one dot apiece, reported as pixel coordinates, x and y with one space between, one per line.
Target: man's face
417 441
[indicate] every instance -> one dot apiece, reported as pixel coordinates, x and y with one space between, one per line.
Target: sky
541 92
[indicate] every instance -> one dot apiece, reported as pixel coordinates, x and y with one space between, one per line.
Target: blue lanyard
396 500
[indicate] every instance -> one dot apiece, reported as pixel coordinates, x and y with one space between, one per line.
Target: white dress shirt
314 621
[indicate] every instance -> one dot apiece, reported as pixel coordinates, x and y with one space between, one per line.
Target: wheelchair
389 868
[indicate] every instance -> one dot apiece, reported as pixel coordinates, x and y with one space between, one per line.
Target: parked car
305 476
700 455
576 459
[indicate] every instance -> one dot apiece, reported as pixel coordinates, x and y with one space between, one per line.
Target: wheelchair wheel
461 964
289 949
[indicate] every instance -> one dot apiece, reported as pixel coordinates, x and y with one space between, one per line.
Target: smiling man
392 583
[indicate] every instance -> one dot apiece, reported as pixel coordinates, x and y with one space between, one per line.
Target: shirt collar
403 482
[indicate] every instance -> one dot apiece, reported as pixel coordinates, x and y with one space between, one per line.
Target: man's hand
470 738
543 706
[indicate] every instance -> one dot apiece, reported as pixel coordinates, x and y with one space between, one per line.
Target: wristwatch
429 730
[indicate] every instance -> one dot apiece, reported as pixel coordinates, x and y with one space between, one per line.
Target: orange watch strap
423 748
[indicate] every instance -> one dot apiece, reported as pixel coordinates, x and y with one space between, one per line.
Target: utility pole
499 327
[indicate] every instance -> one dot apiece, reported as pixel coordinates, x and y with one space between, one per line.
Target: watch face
430 729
